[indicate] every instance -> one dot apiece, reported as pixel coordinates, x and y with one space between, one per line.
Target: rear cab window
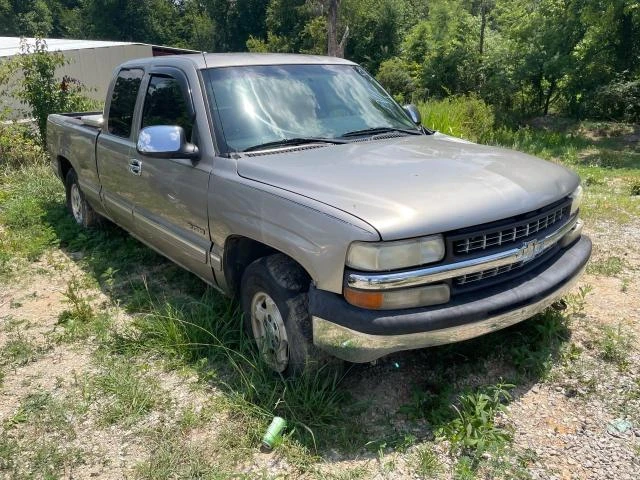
123 102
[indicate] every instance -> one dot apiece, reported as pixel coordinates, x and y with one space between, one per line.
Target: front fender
315 235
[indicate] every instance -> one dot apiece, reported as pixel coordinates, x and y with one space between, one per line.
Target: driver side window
164 104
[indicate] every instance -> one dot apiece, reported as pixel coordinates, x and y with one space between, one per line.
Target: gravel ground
561 421
565 422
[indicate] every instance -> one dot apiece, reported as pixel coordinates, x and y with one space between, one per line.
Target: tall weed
464 116
208 334
19 146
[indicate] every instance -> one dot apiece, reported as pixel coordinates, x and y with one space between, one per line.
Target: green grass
19 350
36 441
465 468
609 267
122 393
576 302
207 334
46 413
616 345
79 321
34 220
33 404
27 197
37 457
474 427
188 327
355 473
427 464
462 116
174 455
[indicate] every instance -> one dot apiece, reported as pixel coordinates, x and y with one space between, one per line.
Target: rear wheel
77 204
274 301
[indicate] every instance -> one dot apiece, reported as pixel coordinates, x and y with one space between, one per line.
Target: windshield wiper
377 130
293 141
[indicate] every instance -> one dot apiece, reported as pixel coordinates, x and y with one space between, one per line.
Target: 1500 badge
197 229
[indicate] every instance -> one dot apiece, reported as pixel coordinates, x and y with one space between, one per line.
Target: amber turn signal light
364 299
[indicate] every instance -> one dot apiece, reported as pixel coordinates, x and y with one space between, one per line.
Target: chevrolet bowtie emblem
530 250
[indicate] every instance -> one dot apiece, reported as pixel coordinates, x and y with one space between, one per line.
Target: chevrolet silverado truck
299 186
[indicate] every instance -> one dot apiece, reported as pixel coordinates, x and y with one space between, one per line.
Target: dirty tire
77 204
287 284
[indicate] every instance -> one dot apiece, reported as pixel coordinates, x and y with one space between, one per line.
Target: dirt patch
560 421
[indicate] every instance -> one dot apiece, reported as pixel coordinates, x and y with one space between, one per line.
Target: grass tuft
27 195
465 116
122 393
615 345
174 456
79 321
427 463
19 351
609 267
207 334
474 427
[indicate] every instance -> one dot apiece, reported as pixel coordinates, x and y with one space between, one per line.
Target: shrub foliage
41 89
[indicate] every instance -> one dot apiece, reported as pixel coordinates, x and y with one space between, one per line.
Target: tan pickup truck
298 185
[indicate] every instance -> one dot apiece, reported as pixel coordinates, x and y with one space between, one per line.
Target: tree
291 26
375 30
335 48
25 18
444 45
41 90
577 57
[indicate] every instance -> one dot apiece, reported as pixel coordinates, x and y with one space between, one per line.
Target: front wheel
274 301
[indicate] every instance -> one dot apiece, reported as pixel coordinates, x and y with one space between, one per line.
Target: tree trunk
335 48
547 100
483 26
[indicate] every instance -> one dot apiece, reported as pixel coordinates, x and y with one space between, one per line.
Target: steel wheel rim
76 203
269 331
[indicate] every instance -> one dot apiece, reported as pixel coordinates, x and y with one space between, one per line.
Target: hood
415 185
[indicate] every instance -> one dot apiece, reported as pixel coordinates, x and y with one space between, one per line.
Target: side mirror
166 141
414 113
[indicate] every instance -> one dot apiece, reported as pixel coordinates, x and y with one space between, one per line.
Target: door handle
135 166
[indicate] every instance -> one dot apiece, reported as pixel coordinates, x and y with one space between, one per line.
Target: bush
274 44
465 116
41 90
619 100
19 146
394 76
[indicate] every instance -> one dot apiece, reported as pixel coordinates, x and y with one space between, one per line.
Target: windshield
262 104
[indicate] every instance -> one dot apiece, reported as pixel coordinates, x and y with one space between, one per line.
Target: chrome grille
477 276
476 242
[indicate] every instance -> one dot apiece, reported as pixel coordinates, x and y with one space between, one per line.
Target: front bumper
359 335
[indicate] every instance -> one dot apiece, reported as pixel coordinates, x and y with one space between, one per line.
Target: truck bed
72 136
89 119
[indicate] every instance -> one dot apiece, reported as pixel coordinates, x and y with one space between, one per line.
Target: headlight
379 256
401 298
576 200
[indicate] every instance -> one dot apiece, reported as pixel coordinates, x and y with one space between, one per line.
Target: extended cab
297 184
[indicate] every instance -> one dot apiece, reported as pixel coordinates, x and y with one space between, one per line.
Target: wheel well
64 166
239 253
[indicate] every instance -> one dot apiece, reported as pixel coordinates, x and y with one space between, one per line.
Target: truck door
170 208
115 148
